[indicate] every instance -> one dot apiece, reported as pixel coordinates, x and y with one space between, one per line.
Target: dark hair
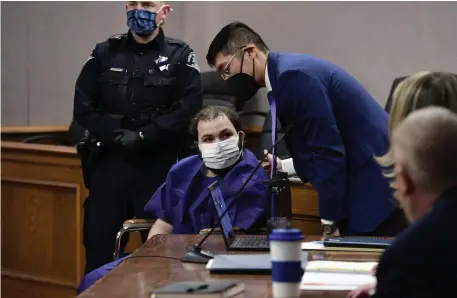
232 37
212 112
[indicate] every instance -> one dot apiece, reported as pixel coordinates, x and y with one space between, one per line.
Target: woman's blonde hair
420 90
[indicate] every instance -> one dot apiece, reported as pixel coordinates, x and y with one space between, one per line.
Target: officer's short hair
212 112
232 37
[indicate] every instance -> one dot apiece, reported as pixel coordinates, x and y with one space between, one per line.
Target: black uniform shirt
154 88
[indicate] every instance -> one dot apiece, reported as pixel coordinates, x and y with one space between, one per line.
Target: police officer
135 95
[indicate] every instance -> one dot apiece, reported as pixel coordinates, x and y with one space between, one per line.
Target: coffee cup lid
286 235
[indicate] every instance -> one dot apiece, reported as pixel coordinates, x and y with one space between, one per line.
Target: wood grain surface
149 269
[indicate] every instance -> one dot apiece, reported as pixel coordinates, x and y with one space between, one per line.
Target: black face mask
243 86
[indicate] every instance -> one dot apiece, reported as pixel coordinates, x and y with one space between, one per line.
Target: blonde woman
420 90
411 266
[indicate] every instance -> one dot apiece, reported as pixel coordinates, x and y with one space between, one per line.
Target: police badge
192 61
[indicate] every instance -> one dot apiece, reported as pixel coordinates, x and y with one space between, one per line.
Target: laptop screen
219 204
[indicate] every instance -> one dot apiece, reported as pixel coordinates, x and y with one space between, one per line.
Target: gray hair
426 143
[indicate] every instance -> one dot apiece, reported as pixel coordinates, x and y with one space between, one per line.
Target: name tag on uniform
116 69
161 59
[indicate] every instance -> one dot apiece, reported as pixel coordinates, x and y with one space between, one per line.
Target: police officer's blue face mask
142 22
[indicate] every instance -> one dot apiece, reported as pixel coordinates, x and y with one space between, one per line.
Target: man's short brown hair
212 112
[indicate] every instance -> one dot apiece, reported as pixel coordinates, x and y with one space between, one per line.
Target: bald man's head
425 157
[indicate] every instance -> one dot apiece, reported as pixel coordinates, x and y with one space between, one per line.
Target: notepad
340 267
337 275
335 281
319 245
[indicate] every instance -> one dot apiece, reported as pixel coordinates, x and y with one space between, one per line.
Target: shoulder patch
118 36
176 41
192 61
116 39
91 56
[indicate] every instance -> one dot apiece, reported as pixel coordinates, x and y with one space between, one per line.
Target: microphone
196 254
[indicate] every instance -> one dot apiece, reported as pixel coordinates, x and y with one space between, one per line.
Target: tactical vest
139 86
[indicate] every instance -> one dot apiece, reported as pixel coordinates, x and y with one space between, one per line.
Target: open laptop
245 243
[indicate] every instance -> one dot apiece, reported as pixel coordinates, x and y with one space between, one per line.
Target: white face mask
222 154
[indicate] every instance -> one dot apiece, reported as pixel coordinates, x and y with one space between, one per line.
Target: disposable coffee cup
286 262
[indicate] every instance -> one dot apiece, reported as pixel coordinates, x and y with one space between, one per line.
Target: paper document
335 281
340 267
314 245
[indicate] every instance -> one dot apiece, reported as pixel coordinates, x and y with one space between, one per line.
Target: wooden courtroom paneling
42 199
17 133
42 215
33 129
305 202
16 286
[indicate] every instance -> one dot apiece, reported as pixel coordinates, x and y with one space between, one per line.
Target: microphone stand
279 190
196 254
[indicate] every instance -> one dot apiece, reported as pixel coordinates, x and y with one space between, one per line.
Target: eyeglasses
225 73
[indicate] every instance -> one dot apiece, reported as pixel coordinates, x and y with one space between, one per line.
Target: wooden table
42 197
139 276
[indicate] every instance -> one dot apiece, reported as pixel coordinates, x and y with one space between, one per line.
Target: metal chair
131 225
137 225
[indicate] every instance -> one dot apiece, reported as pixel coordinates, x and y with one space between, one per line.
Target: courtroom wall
44 46
44 49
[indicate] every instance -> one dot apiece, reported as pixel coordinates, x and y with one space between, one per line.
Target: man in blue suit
337 129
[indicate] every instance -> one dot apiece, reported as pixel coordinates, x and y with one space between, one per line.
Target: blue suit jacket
422 260
337 129
179 201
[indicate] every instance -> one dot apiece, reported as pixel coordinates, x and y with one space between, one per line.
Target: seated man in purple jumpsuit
182 204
